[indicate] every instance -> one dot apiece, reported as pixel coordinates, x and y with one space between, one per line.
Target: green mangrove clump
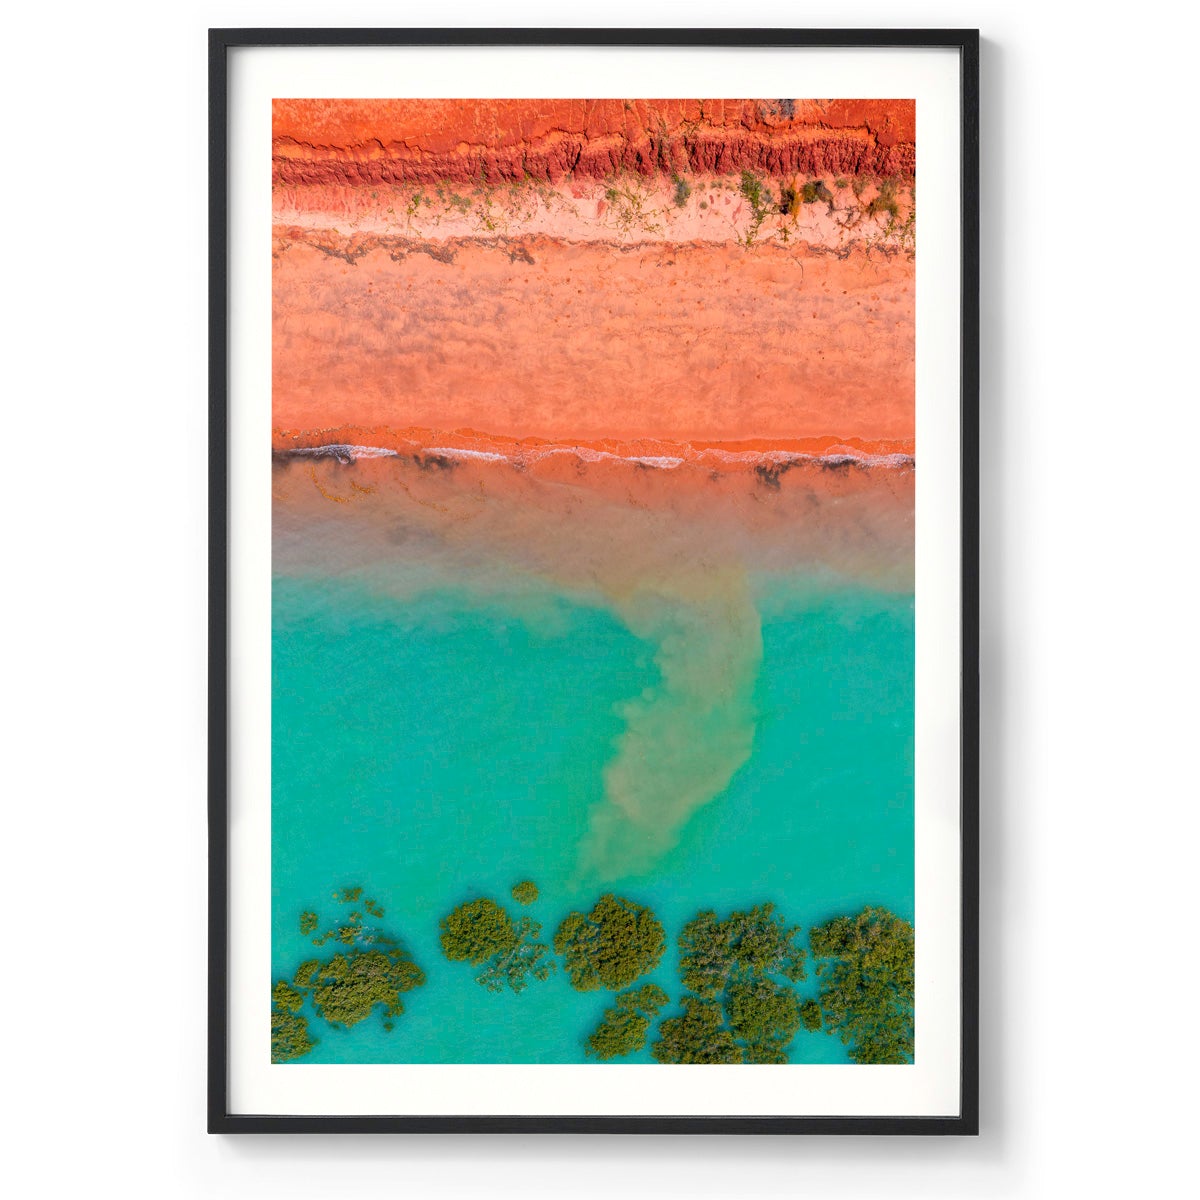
348 987
373 971
865 964
696 1037
763 1019
623 1028
476 931
289 1030
810 1015
525 892
482 933
610 946
754 942
730 964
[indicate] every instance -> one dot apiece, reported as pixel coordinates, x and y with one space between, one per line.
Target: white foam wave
348 453
344 453
784 457
665 463
456 452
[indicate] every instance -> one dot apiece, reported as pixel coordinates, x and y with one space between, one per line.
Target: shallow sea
444 744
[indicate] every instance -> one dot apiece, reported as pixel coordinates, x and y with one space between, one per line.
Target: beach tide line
825 454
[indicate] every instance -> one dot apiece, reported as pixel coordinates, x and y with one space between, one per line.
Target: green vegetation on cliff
482 933
623 1028
610 946
760 201
865 966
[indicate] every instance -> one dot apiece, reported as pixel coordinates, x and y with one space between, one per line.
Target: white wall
1089 434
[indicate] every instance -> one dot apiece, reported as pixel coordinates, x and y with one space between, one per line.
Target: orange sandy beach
587 340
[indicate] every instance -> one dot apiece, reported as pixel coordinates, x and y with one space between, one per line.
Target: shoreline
609 522
348 443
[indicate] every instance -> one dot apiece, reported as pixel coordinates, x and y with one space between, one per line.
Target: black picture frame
220 1119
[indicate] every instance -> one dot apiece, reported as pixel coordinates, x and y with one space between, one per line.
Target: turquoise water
444 746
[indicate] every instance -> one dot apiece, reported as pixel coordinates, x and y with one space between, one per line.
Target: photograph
592 580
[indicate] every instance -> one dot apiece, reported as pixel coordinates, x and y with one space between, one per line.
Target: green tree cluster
525 892
730 965
351 931
763 1018
610 946
373 971
865 964
696 1037
349 986
477 930
623 1028
810 1015
289 1029
482 933
752 943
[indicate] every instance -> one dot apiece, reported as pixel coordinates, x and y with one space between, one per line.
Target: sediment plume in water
671 551
686 735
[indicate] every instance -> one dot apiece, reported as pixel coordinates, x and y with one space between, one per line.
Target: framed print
593 581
